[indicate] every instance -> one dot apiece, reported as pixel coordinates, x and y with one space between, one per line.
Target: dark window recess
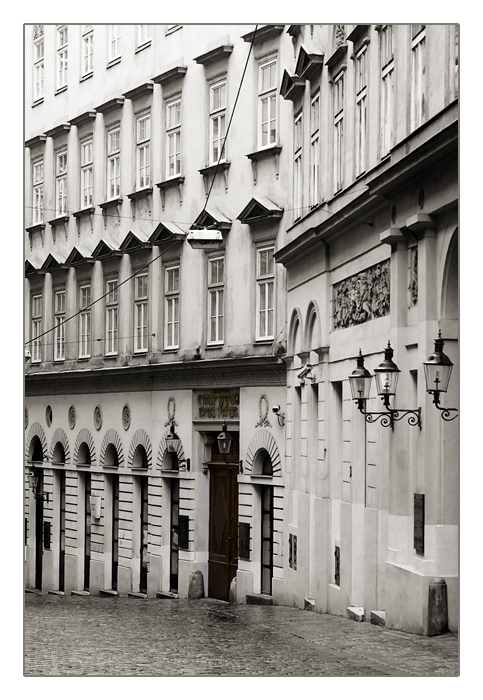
292 551
244 541
419 523
337 566
47 535
183 531
26 531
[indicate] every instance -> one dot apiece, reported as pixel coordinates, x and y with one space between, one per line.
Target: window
387 88
114 42
298 166
142 153
86 174
173 138
314 160
59 329
111 317
39 68
87 50
171 307
338 92
216 279
267 103
141 313
113 163
217 120
85 322
61 184
62 57
265 290
38 191
36 314
418 51
143 34
361 110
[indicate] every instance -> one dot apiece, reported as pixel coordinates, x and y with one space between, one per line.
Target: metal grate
244 541
47 535
337 566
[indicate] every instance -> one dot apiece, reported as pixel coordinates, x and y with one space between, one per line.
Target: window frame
265 281
87 58
338 131
142 40
216 292
268 95
298 175
387 88
171 308
85 321
141 313
61 183
218 118
173 135
87 173
39 68
314 154
113 159
38 192
36 327
112 312
113 43
143 164
59 324
361 136
418 81
62 58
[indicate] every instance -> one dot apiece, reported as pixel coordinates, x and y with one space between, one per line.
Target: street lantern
360 381
387 375
437 373
172 440
224 442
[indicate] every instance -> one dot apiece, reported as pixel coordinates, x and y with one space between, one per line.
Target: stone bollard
196 589
437 607
232 596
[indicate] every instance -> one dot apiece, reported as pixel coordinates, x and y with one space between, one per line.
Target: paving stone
107 636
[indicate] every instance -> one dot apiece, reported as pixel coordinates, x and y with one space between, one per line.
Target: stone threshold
56 592
84 593
137 595
108 593
356 613
168 594
36 591
259 599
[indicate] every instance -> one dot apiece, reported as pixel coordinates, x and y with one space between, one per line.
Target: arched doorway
84 459
58 460
111 460
262 466
36 457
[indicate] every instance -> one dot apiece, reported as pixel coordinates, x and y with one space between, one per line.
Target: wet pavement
94 636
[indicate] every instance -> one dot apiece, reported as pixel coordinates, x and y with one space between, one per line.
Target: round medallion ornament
71 417
126 417
48 416
171 409
263 406
26 417
97 418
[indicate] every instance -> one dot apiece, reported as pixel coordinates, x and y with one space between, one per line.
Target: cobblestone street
93 636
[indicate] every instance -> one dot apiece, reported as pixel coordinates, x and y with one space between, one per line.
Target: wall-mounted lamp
305 373
172 444
279 414
225 440
437 373
33 483
204 239
387 375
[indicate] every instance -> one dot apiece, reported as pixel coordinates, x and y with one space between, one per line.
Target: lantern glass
437 376
386 381
360 385
33 480
224 441
172 442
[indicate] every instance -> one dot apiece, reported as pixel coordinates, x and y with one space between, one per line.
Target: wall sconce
280 416
305 373
437 373
387 375
225 440
33 483
172 444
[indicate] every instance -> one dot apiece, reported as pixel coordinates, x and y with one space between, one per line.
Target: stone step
168 594
79 593
309 604
356 612
137 595
378 617
259 599
56 593
108 593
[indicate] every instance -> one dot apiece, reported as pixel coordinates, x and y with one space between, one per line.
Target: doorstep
56 592
137 595
356 612
378 617
259 599
79 593
169 594
108 593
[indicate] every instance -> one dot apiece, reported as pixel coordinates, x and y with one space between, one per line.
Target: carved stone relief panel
362 297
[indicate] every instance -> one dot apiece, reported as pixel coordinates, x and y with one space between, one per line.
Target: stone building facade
335 199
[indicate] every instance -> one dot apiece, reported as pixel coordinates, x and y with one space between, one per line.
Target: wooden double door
223 545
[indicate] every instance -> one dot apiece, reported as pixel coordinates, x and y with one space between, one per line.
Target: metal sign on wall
216 404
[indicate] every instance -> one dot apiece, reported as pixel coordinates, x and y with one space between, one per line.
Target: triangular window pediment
105 249
260 210
53 263
78 257
134 241
213 219
166 231
292 85
310 61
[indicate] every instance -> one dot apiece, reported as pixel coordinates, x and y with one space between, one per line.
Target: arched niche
450 290
112 453
84 448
